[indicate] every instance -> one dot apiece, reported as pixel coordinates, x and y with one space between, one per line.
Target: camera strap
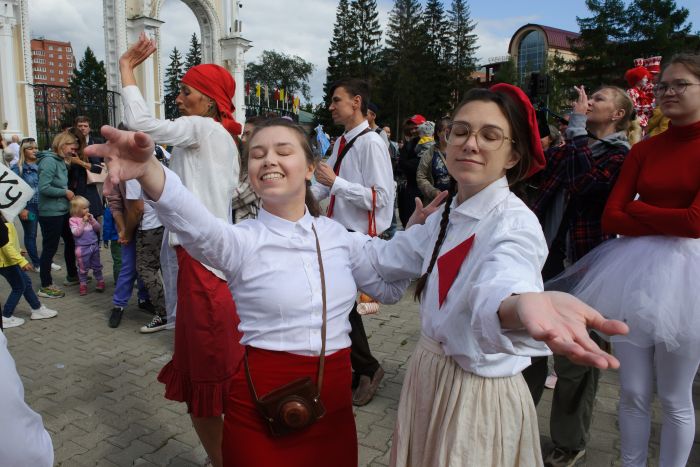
321 364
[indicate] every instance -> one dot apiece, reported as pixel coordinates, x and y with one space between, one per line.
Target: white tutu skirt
651 283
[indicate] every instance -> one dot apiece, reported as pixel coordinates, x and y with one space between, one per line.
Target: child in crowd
85 230
12 267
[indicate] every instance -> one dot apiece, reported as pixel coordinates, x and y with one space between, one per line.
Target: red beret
635 75
216 82
418 119
521 99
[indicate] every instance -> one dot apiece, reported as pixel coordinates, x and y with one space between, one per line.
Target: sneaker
366 388
55 267
158 323
11 322
83 289
51 292
100 287
44 313
116 317
71 281
561 457
147 306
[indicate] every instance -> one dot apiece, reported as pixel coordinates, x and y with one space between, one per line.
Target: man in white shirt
358 178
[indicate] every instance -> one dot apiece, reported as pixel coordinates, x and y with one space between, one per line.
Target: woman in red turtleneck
648 277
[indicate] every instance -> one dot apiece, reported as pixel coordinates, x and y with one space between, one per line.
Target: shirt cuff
577 126
495 339
339 185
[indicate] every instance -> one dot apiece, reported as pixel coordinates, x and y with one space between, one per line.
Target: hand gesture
421 213
138 52
581 103
324 174
562 321
127 154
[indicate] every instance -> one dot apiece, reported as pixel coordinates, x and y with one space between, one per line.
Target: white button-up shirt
273 273
367 164
204 155
506 258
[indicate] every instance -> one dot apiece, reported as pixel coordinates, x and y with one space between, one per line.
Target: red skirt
207 341
330 441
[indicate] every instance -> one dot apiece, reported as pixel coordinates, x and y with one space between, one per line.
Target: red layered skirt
207 341
330 441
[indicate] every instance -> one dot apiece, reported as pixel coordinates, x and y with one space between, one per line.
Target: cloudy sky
301 27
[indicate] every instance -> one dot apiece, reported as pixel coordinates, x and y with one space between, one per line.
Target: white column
9 105
232 51
147 74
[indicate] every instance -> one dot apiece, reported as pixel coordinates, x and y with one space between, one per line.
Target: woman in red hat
207 350
464 400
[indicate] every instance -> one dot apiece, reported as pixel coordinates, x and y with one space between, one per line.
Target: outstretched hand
138 52
128 154
562 322
421 213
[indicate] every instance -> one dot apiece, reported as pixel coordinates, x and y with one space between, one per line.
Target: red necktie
341 146
449 265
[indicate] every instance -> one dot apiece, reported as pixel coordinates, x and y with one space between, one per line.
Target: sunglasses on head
28 140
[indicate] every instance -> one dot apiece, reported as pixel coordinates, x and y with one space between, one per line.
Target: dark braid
420 285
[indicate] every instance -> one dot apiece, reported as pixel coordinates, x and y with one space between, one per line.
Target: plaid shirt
587 181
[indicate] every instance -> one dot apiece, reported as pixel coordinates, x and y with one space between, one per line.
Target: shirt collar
284 227
356 131
479 205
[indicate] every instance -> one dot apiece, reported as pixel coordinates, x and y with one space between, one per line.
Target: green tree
659 27
598 47
88 91
406 60
369 34
280 70
463 58
173 76
507 72
194 55
440 50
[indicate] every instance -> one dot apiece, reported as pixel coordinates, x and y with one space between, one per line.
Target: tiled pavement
96 387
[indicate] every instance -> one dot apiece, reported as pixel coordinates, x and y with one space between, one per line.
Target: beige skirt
451 418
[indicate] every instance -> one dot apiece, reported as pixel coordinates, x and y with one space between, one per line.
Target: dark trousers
53 228
21 285
363 363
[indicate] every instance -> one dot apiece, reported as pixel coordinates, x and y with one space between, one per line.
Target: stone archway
221 43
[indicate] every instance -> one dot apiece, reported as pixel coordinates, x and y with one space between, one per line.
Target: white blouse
367 164
204 155
506 258
272 271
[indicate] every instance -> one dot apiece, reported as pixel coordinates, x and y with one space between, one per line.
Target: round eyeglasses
678 87
489 137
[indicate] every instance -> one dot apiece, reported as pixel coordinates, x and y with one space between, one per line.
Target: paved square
96 387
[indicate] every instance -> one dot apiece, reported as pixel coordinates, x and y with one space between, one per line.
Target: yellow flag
257 89
282 95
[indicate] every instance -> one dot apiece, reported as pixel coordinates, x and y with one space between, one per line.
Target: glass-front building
531 53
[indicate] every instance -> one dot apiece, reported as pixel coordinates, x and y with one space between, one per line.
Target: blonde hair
78 202
64 137
26 144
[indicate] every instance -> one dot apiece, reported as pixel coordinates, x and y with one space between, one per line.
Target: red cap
418 119
521 99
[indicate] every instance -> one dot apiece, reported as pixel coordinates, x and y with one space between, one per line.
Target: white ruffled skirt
649 282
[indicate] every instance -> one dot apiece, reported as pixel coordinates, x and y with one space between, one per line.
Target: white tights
674 382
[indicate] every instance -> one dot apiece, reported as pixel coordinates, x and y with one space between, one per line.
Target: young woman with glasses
648 277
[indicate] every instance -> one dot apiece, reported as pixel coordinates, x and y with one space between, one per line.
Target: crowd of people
524 241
